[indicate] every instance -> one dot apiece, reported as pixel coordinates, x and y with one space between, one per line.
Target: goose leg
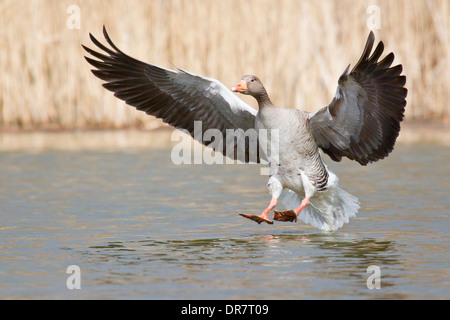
264 216
290 215
303 205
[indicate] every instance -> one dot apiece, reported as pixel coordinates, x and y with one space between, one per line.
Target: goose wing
362 122
179 98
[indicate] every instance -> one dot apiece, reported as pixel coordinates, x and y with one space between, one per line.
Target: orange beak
241 86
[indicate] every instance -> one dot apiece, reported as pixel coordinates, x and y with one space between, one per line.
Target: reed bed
297 48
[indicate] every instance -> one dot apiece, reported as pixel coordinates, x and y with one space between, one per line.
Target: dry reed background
298 48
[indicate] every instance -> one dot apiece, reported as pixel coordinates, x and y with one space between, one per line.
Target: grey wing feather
362 122
179 98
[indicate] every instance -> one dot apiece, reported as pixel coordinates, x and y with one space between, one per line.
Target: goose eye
253 80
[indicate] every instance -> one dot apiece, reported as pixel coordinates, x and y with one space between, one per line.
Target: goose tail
327 211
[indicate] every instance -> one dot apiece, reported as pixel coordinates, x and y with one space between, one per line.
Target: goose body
298 171
361 123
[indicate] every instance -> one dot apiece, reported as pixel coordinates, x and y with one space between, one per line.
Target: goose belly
301 176
289 175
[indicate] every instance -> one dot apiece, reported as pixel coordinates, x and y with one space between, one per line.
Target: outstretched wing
179 98
362 122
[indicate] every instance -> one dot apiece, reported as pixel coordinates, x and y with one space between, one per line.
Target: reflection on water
140 227
284 266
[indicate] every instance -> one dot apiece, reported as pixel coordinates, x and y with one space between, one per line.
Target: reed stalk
297 48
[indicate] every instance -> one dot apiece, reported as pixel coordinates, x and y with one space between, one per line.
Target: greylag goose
361 123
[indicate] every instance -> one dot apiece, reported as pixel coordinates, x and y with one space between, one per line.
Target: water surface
140 227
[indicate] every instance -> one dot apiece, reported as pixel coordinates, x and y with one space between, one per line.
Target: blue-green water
140 227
